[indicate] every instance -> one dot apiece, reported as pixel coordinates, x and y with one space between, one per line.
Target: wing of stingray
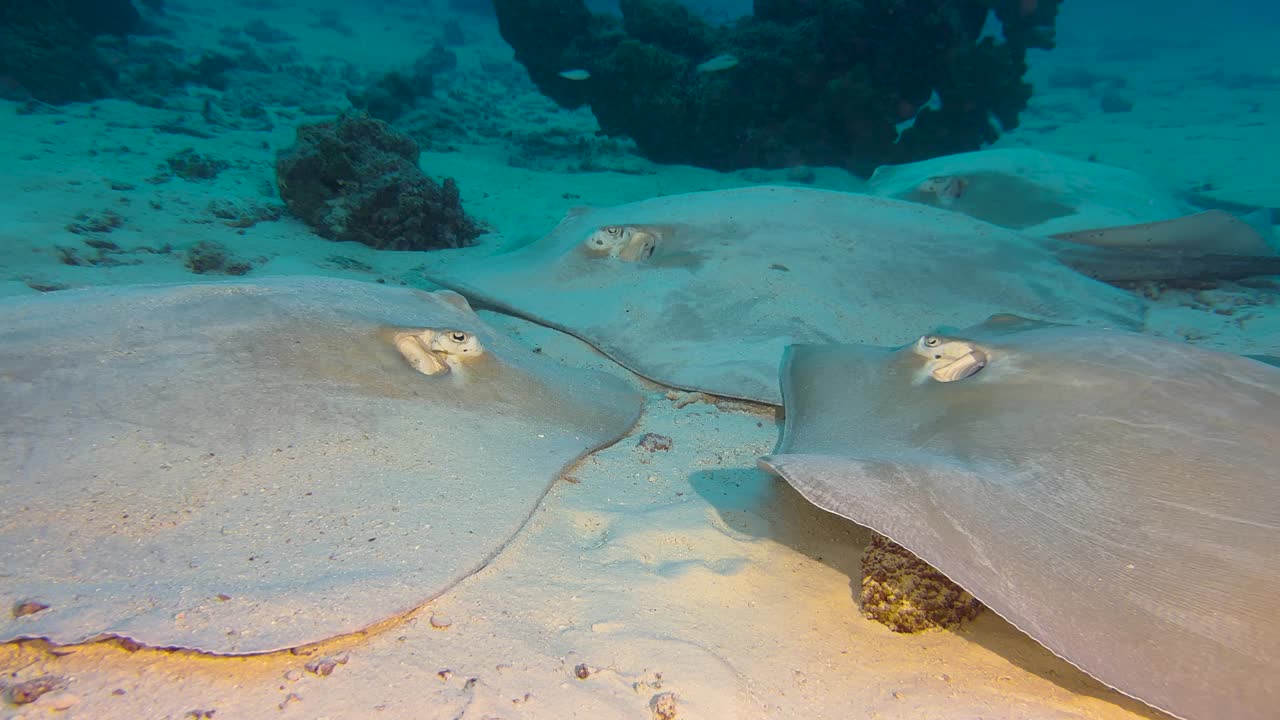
1211 245
1121 266
703 291
1115 496
1034 191
1209 232
243 467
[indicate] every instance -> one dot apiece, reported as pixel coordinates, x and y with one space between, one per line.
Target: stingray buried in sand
703 291
244 467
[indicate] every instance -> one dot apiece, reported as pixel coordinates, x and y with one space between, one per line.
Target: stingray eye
614 230
931 341
458 336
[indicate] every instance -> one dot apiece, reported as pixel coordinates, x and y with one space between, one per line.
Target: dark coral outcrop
355 178
817 82
47 51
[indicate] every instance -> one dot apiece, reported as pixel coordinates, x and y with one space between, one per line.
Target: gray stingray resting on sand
1113 495
1207 246
249 466
703 291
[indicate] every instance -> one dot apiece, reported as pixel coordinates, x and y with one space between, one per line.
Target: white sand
687 571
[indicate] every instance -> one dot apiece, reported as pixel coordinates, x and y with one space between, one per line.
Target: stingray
1208 246
704 291
1047 194
1148 233
244 467
1113 495
1039 192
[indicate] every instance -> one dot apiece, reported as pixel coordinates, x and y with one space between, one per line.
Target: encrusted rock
654 442
906 594
355 178
779 95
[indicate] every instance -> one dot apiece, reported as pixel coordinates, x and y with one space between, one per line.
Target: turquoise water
573 170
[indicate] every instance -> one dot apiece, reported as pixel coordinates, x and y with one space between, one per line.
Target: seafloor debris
324 666
191 165
244 214
28 607
680 399
209 257
663 706
654 442
28 691
904 593
355 178
88 223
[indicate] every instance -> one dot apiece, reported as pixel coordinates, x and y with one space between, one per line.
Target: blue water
158 141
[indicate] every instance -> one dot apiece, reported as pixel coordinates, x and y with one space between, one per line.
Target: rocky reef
355 178
850 83
47 50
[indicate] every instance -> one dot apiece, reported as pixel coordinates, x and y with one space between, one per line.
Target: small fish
992 28
720 62
995 123
577 74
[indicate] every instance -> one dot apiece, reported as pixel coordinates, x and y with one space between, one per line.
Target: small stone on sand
654 442
326 665
663 706
28 691
28 607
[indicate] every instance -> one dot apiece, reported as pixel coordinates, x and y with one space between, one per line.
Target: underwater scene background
639 359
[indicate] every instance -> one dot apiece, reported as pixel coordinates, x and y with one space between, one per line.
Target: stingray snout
436 351
949 359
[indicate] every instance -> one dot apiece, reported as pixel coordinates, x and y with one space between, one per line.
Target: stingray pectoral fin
1209 232
455 299
882 495
920 504
1125 265
1268 359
